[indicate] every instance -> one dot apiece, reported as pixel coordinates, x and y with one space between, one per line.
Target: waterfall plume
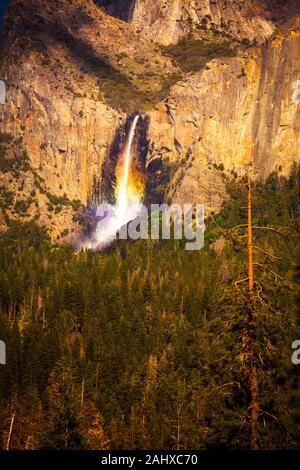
128 196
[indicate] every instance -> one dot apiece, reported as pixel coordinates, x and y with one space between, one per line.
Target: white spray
122 197
126 208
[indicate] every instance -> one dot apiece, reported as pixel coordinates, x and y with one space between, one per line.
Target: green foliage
14 165
64 233
138 91
5 137
100 344
56 203
22 206
21 236
58 200
6 198
191 55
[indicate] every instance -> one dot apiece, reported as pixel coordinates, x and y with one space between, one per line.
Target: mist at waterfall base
129 191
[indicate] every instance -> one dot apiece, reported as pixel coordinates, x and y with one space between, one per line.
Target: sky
3 6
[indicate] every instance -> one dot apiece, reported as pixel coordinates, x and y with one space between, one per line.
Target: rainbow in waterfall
129 192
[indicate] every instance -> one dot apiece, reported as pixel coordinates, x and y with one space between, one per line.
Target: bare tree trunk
82 393
178 425
32 294
28 442
250 238
178 431
96 385
143 426
132 427
253 382
10 430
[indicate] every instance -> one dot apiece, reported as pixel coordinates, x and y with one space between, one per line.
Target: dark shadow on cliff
30 29
280 11
122 9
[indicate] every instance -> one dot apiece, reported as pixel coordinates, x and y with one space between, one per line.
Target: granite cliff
74 73
233 112
167 22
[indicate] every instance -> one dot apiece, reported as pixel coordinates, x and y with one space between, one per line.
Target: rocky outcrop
235 111
72 74
168 21
75 73
122 9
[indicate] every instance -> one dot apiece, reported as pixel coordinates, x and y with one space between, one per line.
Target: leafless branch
266 252
240 281
276 275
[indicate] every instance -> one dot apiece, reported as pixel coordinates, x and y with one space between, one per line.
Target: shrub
192 54
5 137
22 206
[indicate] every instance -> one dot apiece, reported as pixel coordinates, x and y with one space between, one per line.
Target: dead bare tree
253 381
11 426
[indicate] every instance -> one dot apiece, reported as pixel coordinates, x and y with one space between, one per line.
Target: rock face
70 71
168 21
74 74
233 112
122 9
57 89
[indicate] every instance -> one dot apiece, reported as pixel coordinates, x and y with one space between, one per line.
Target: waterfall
128 198
123 196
